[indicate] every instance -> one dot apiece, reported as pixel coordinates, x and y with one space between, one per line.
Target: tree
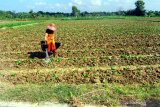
151 13
75 11
140 9
32 14
40 13
130 12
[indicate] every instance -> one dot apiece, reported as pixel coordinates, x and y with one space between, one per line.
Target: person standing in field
50 38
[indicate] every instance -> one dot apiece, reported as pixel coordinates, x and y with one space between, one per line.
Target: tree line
138 11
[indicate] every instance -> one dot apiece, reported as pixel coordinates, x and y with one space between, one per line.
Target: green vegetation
109 94
75 11
138 11
18 62
15 24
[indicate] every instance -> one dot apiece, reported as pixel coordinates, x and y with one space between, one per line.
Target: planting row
123 76
67 53
150 45
80 62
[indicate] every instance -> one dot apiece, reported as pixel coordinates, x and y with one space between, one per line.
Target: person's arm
46 37
55 35
55 32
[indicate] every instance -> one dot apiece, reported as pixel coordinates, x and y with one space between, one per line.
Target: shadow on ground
39 55
42 54
147 103
153 103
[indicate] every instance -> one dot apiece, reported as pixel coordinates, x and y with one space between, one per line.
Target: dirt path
149 103
44 104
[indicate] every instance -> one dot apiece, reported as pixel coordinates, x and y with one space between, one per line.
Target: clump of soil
75 102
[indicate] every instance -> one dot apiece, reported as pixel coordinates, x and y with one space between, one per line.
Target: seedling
1 74
56 76
126 68
90 69
114 68
113 72
31 60
62 72
18 62
94 75
85 75
124 56
13 75
84 59
57 59
106 85
71 94
139 72
19 52
51 73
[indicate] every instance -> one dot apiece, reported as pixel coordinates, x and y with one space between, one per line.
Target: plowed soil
91 43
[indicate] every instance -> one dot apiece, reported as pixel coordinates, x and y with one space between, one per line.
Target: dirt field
92 51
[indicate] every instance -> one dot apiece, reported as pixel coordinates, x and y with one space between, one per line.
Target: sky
83 5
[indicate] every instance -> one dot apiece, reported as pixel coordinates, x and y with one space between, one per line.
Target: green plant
113 72
85 75
18 62
57 59
138 72
1 74
13 74
31 60
56 76
114 68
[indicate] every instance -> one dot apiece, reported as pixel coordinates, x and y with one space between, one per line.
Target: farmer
49 38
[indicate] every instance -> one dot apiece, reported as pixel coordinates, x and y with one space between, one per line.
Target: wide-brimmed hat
51 27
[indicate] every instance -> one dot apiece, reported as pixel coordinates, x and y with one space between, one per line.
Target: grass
107 94
43 92
93 18
109 17
15 24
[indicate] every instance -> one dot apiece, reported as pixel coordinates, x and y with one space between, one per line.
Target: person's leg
49 47
54 48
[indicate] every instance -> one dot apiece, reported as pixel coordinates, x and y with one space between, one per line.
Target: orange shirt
49 38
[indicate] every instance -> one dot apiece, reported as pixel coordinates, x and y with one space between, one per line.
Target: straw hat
51 27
